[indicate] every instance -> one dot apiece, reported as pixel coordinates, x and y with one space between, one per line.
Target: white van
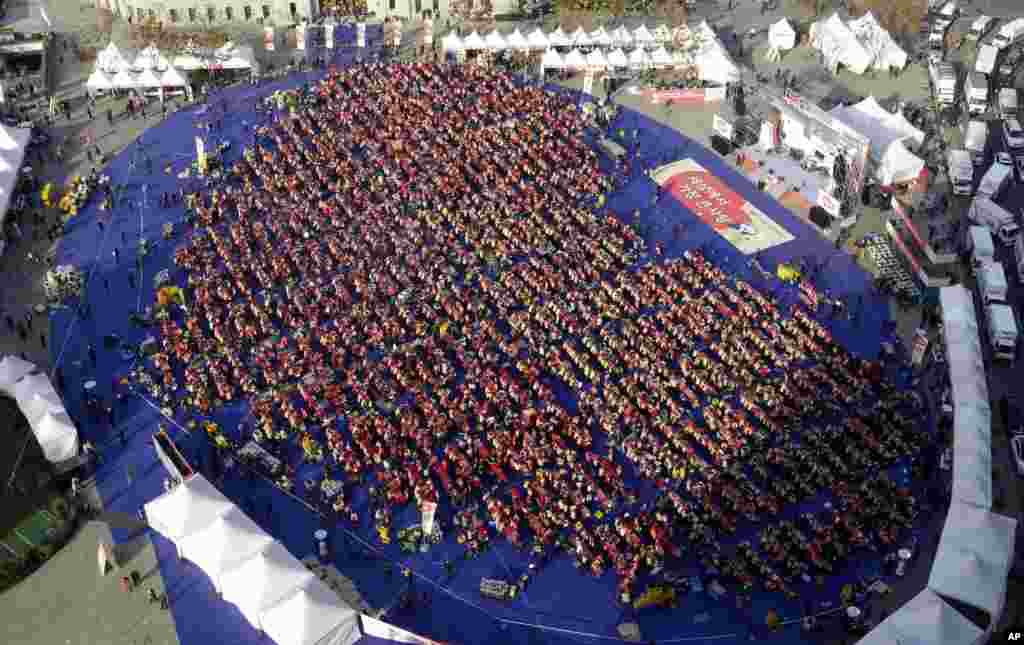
1002 331
1018 257
980 246
999 221
992 283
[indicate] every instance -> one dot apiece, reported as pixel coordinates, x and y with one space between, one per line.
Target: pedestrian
131 279
99 224
106 284
117 255
10 323
42 339
124 237
92 354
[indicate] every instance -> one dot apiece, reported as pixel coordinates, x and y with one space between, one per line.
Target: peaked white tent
617 58
596 60
972 416
884 50
537 39
452 43
112 59
189 507
99 80
782 36
12 152
57 436
839 45
552 60
41 404
973 559
495 40
124 79
899 165
311 615
558 38
926 618
173 78
151 58
147 78
263 580
600 37
224 544
474 41
575 60
642 36
713 61
661 58
232 56
12 370
891 136
662 33
622 36
580 38
516 40
638 58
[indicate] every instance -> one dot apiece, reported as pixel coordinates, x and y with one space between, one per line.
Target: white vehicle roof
948 9
980 23
1002 319
994 276
981 241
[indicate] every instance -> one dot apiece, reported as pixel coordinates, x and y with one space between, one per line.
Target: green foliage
60 508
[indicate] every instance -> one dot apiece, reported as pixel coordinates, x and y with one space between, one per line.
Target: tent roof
600 37
638 57
642 35
124 78
575 59
596 59
516 40
558 38
114 59
263 580
580 38
783 26
12 370
187 508
147 78
924 619
495 40
900 164
151 58
662 33
622 36
660 56
552 59
474 41
451 42
307 615
881 127
99 80
227 542
617 58
173 78
537 39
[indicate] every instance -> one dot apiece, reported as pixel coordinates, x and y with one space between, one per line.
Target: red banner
676 96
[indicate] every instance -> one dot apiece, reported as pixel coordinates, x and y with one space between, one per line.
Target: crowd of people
409 267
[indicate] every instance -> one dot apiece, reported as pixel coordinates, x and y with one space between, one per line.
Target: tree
899 17
671 11
104 21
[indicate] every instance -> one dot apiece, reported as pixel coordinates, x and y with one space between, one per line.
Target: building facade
191 13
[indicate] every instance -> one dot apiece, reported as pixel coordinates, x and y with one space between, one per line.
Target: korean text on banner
361 34
268 39
722 127
329 35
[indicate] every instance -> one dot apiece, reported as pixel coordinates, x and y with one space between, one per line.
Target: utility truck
976 140
1008 103
943 82
980 246
995 180
976 93
1002 330
999 221
961 171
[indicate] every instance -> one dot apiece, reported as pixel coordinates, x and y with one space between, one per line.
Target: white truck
980 246
999 221
1008 33
992 283
980 27
995 180
976 140
1018 257
943 82
976 93
960 168
1008 103
985 60
1002 331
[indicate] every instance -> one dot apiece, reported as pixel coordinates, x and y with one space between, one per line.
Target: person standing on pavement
110 118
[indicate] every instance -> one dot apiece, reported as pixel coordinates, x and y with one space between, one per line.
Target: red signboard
677 96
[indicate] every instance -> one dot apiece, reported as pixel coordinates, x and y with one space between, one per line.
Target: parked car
1017 447
1013 135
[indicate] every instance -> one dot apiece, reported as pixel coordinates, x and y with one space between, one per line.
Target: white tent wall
311 615
263 580
228 542
43 409
926 618
12 154
12 370
782 36
188 507
385 631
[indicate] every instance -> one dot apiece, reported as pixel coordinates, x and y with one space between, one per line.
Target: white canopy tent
661 58
151 58
972 416
891 137
311 615
173 78
879 44
899 165
926 618
147 78
580 38
516 40
224 544
494 40
622 37
12 370
99 80
232 56
596 60
189 507
642 36
474 41
113 59
124 79
13 142
552 60
617 58
263 580
662 33
558 38
537 39
575 60
713 61
639 58
782 36
57 436
973 558
839 45
600 37
452 43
